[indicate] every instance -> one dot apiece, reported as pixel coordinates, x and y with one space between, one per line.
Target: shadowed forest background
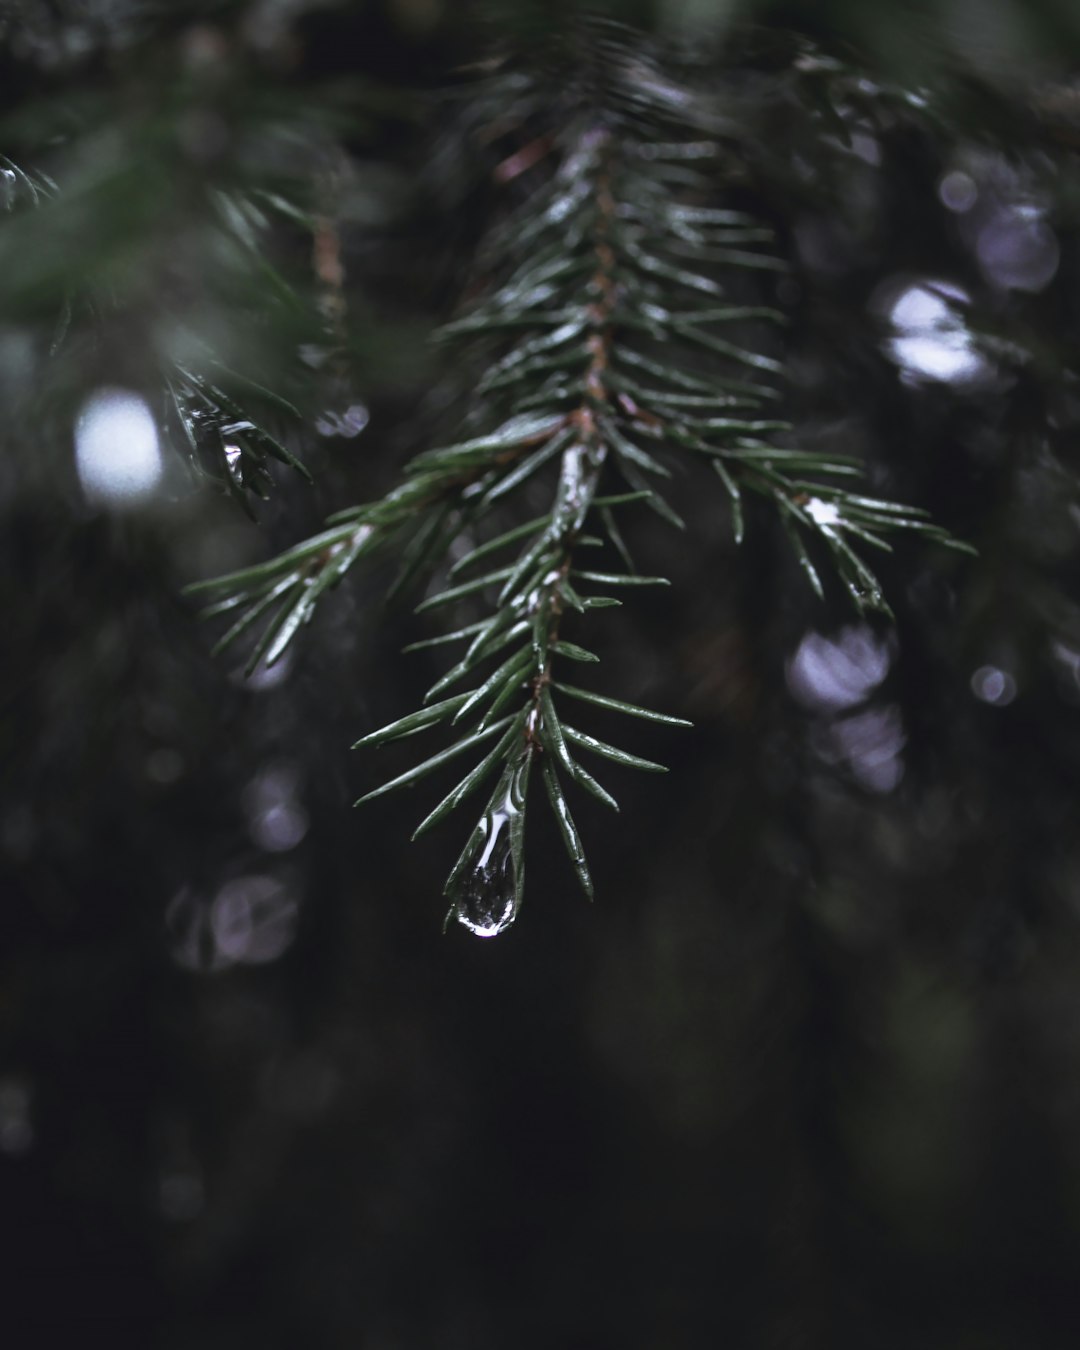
807 1072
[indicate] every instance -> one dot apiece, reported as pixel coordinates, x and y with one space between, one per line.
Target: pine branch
614 350
224 439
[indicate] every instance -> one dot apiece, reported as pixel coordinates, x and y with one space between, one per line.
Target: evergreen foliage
622 327
805 1076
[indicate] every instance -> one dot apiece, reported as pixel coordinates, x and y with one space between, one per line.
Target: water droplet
486 886
824 514
234 465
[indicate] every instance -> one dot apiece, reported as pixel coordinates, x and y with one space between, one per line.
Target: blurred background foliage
806 1074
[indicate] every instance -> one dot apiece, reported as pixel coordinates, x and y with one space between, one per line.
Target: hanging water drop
486 896
234 464
485 887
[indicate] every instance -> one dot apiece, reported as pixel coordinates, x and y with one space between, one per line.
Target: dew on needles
823 513
485 888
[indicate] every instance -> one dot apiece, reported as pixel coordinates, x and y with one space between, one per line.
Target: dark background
807 1073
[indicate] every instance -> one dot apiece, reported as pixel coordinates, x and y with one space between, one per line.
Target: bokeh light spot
992 685
1018 250
931 340
958 191
831 675
116 448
